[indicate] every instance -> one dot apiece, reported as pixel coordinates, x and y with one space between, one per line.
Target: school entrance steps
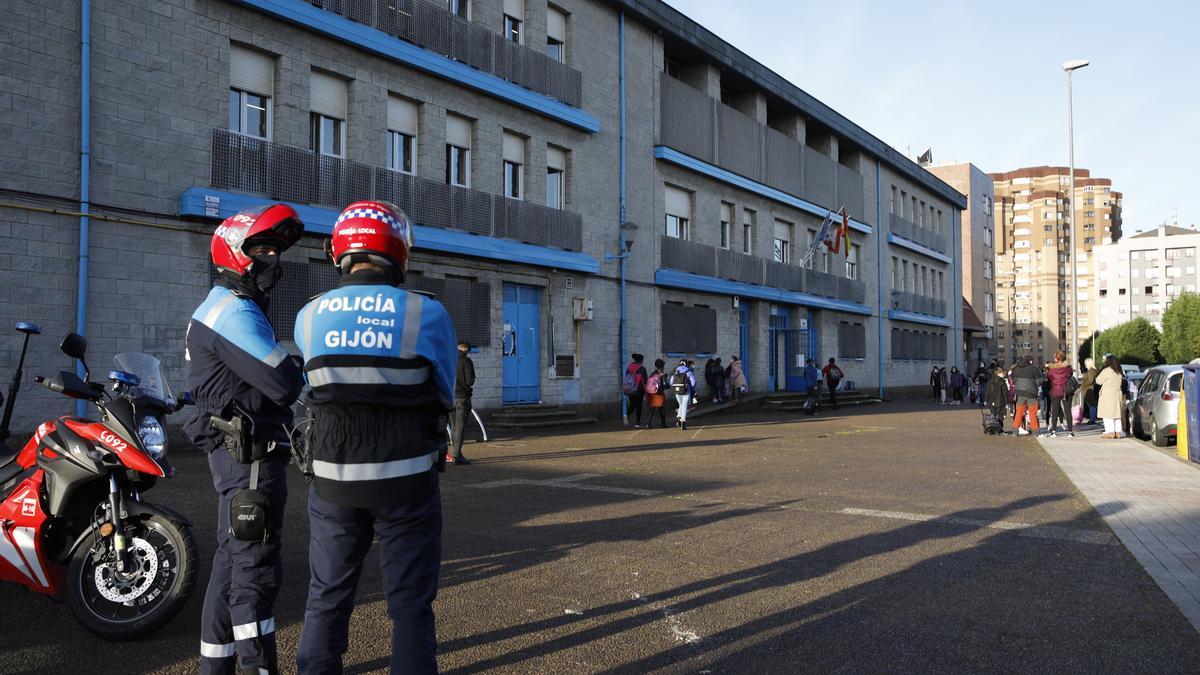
791 401
536 417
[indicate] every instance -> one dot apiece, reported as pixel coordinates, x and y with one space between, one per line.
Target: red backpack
654 384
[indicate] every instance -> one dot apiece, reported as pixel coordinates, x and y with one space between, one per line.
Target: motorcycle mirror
29 328
74 345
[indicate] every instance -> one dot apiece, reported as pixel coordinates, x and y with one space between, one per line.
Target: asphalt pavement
888 538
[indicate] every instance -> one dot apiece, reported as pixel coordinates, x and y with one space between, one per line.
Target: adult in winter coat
943 385
1059 374
464 386
1111 400
935 383
958 382
1091 392
1026 378
683 392
737 378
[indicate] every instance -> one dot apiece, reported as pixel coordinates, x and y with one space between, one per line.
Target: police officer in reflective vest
380 361
240 375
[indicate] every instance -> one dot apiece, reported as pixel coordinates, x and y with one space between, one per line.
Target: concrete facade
979 252
1141 274
159 99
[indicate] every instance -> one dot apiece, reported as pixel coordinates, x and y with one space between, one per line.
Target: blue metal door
521 343
778 349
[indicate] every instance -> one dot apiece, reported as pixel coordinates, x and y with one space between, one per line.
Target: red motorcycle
72 520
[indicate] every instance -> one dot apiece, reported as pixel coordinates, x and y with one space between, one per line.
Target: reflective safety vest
380 361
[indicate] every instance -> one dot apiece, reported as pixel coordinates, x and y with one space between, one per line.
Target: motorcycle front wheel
134 603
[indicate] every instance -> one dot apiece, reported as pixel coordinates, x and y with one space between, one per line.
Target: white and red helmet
371 231
275 224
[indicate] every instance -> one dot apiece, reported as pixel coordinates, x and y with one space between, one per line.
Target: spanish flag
845 231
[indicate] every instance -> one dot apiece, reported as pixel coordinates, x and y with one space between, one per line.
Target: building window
988 302
252 83
852 263
458 166
748 231
514 166
556 35
458 151
249 114
556 178
327 101
512 29
402 135
512 180
781 242
678 213
459 8
326 135
401 150
987 269
726 225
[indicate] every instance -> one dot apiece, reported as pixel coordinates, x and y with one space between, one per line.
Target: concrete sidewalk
1149 498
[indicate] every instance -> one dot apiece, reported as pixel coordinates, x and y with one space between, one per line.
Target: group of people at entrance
652 389
381 366
1054 395
832 375
948 387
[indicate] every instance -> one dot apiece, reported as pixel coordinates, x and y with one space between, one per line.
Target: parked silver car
1156 408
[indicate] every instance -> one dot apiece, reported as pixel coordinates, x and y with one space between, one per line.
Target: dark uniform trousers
410 554
239 606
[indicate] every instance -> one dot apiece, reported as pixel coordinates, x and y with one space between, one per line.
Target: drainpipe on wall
85 154
879 265
621 251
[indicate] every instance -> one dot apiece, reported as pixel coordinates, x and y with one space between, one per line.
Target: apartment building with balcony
1033 225
978 256
588 178
1142 273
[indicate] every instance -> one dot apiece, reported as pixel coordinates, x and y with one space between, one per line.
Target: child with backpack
633 384
683 385
655 398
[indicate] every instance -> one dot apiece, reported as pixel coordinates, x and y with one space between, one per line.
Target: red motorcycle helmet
371 231
276 224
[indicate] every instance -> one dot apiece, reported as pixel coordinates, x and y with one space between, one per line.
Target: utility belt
249 509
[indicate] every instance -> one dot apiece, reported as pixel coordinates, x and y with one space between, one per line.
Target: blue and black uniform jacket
233 358
381 364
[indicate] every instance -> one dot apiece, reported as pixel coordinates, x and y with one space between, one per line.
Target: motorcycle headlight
153 436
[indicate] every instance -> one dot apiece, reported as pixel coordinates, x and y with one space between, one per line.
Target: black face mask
266 271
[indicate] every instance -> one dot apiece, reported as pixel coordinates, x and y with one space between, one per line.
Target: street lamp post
1070 67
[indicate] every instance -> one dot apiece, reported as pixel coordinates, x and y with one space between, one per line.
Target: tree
1181 329
1133 342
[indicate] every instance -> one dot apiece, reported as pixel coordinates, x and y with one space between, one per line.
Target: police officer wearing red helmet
237 370
380 361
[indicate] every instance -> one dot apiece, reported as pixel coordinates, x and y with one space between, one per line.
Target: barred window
852 340
688 330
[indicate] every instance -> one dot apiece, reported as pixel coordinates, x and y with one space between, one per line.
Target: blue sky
982 82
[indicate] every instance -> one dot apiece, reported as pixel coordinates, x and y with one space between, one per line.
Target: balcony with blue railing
244 164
